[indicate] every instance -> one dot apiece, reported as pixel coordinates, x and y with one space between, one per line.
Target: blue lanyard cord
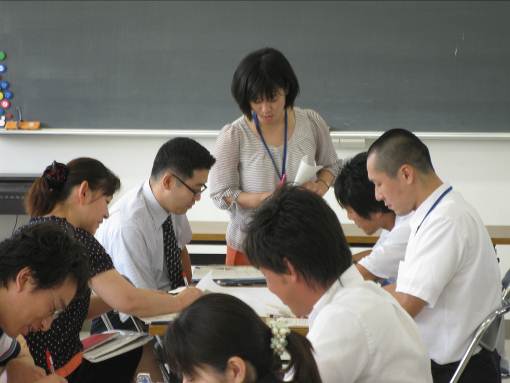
433 207
284 160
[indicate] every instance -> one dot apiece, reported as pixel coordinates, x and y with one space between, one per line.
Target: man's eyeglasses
195 192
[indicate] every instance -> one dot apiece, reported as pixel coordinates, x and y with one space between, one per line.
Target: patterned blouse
242 163
63 338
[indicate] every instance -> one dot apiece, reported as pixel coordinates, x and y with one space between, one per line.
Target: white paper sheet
264 302
307 170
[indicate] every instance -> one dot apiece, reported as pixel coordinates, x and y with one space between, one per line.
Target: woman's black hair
57 181
260 75
217 327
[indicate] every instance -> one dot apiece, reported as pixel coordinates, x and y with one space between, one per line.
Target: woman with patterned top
263 149
76 196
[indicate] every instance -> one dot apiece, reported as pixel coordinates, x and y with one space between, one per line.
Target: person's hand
188 296
53 378
20 371
317 187
264 195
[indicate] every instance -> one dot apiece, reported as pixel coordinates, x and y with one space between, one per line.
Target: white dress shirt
133 236
389 250
360 333
451 264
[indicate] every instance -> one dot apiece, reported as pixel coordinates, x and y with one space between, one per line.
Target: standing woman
263 148
76 196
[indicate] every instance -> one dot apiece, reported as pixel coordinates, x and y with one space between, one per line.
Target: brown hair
57 181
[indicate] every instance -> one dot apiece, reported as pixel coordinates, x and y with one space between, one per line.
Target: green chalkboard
364 66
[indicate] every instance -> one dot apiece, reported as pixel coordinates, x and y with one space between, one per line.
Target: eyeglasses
195 192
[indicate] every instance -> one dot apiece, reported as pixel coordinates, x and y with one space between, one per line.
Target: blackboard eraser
11 125
29 125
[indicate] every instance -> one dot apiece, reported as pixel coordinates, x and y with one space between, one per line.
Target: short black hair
397 147
298 225
51 254
260 75
183 156
353 189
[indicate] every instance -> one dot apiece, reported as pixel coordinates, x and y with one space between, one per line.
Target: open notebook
99 347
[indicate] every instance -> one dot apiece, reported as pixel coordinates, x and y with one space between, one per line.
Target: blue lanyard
284 160
433 207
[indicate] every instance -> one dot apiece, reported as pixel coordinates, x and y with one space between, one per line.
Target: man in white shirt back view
449 280
355 193
358 331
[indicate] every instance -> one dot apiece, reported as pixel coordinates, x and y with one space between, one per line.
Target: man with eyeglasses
147 231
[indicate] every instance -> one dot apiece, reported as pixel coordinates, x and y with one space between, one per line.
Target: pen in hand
49 362
186 281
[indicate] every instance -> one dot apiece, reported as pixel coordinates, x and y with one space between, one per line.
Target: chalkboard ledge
343 137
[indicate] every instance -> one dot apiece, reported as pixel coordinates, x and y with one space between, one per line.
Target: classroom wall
478 168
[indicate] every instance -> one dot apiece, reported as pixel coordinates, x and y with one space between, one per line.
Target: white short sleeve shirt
384 259
361 334
450 263
133 236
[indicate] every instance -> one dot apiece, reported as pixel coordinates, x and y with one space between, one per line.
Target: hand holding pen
52 378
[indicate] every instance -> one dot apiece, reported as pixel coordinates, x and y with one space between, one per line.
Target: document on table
264 302
230 275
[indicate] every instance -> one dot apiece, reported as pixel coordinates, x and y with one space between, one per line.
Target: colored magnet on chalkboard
8 94
5 104
3 68
3 55
4 85
2 112
1 96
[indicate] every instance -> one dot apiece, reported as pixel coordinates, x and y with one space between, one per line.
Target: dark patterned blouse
63 338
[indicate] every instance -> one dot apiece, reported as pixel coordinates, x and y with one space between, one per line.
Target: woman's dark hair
260 75
57 181
217 327
51 254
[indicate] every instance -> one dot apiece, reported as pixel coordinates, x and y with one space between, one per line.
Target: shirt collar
425 206
350 277
158 214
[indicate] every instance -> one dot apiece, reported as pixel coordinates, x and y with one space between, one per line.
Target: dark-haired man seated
41 270
358 331
449 280
355 193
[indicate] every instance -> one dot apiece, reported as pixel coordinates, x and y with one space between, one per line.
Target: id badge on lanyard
283 175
